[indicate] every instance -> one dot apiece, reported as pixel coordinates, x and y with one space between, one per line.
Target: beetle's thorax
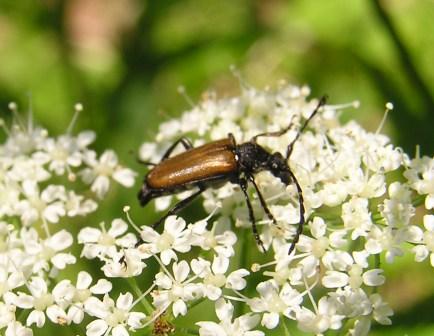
253 158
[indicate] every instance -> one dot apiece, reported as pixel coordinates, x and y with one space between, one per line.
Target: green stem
285 329
195 303
145 303
418 200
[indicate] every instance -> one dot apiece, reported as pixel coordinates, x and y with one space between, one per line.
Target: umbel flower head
360 197
39 194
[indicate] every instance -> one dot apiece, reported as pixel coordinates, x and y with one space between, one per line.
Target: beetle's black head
145 195
278 166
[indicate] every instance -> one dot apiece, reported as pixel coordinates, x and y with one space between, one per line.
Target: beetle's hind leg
262 200
183 140
243 185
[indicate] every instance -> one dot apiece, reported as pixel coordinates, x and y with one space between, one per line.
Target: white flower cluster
360 194
358 211
38 195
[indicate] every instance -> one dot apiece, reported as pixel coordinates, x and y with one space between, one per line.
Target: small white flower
324 318
214 277
42 252
381 310
15 328
113 318
175 237
7 314
46 205
105 243
76 297
77 205
41 301
241 326
422 251
399 209
221 243
175 290
421 178
104 168
356 217
60 154
273 302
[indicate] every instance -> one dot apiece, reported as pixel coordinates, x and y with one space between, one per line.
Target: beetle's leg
302 211
184 141
243 185
178 207
146 163
262 200
321 102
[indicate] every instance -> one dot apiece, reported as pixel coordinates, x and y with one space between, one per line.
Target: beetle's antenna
272 134
321 102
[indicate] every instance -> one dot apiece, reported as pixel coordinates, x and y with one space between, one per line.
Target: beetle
222 161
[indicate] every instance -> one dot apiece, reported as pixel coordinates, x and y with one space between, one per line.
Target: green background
125 59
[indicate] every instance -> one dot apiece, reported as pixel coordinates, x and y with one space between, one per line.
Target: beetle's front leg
262 200
243 184
183 140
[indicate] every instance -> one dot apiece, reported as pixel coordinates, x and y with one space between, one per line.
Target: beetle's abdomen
208 161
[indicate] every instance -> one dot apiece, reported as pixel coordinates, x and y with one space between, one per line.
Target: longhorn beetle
221 161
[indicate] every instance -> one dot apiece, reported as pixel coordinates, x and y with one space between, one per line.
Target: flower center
81 295
210 240
59 154
276 304
43 301
37 203
165 241
319 246
217 280
106 240
102 169
118 316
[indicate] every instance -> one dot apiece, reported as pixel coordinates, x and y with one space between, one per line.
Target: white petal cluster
40 197
361 195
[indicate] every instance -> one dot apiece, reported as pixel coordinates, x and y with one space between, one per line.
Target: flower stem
146 305
285 329
195 303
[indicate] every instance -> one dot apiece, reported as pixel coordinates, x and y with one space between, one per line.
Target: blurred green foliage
124 60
